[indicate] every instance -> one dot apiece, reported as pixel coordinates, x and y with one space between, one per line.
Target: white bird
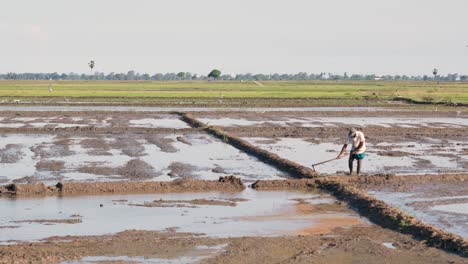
258 83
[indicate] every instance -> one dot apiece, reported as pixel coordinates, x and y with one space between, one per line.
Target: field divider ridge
223 184
295 170
366 205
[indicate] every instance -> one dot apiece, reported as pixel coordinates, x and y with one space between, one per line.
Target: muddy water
57 121
196 156
413 122
255 213
412 157
446 212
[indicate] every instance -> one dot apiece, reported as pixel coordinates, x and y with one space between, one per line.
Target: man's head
352 132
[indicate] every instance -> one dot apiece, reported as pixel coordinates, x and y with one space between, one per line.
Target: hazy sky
356 36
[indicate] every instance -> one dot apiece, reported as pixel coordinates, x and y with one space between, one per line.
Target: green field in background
421 91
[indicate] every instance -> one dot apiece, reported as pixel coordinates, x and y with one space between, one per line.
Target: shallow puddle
254 214
449 213
194 256
168 122
419 158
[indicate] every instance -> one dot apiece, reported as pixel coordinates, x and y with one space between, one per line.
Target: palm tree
91 66
434 72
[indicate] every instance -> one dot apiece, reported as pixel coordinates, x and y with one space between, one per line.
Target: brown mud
51 165
51 221
186 203
11 153
375 210
165 144
181 170
355 245
224 184
96 146
375 134
137 170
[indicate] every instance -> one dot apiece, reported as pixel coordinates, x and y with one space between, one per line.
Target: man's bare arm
343 150
358 148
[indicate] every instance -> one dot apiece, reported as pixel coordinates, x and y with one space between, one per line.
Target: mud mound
232 180
296 184
137 170
224 184
400 183
38 189
51 165
164 143
181 170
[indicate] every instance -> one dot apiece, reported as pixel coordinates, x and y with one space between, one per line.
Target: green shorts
359 156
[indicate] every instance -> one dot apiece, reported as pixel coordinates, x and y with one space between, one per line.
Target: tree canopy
215 74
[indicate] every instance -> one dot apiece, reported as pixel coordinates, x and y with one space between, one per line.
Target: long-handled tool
323 162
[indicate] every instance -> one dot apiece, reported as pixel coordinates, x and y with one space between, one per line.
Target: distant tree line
216 74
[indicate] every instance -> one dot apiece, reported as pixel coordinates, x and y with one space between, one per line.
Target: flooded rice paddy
143 146
27 158
146 121
433 207
405 122
249 213
430 156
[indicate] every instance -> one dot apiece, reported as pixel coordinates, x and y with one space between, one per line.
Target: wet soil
224 184
365 243
445 184
137 170
51 165
330 134
9 227
11 153
96 146
164 143
181 170
51 221
374 133
344 246
186 203
97 170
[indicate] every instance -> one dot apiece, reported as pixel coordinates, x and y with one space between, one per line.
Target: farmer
358 150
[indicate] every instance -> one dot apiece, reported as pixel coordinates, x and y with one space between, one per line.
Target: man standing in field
358 149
